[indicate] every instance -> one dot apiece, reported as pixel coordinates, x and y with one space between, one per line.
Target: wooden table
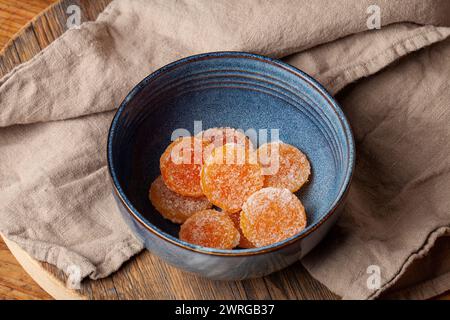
15 14
144 276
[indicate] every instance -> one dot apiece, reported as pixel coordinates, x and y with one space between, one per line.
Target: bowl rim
134 213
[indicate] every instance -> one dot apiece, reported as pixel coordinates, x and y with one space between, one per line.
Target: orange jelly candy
181 164
284 166
230 175
272 215
210 228
171 205
218 137
244 242
221 136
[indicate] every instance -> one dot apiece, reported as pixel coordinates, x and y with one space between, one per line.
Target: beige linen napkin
400 196
55 111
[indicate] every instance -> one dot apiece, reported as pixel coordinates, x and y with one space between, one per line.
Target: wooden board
145 276
15 282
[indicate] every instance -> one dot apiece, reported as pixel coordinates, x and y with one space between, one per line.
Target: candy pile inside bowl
227 194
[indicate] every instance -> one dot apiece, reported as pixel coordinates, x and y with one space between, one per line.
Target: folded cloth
399 199
55 199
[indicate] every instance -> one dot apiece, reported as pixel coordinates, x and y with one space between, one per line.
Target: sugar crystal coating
284 166
244 242
210 228
272 215
218 137
221 136
230 175
171 205
181 164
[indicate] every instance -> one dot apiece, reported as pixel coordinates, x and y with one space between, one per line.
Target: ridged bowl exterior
240 90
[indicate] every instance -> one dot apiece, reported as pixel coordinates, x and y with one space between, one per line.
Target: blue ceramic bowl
239 90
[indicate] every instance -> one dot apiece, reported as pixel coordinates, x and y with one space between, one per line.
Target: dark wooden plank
57 17
146 276
8 60
255 289
42 31
27 44
91 9
14 14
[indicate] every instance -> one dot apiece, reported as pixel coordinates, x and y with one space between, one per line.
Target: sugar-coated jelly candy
173 206
284 166
181 164
218 137
230 175
244 243
210 228
271 215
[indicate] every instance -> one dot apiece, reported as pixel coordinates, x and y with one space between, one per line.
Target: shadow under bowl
238 90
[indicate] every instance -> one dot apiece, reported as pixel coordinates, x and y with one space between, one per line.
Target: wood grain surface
145 276
15 283
15 14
